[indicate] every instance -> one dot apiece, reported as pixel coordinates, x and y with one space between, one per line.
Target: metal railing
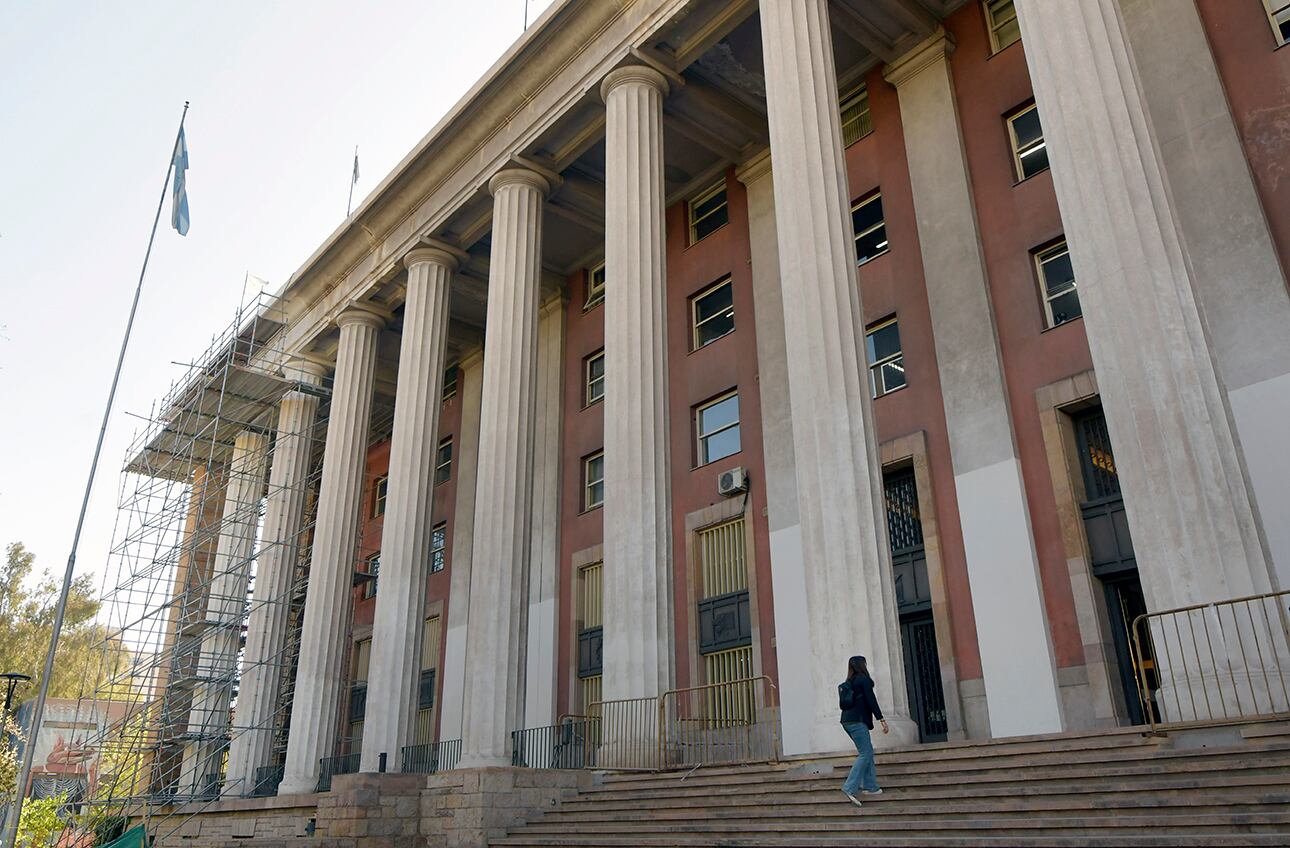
570 744
1214 662
267 779
329 767
626 734
432 757
733 722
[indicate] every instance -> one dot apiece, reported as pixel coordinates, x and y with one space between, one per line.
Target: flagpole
29 749
353 178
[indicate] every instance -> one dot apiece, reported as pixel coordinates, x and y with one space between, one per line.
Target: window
438 541
886 361
1001 16
1029 152
1279 15
423 730
358 693
593 369
712 313
717 424
379 490
593 481
443 462
591 635
595 286
450 382
1057 282
870 229
856 123
708 212
372 569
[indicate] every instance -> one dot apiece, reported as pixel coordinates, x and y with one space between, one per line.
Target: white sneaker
854 799
875 792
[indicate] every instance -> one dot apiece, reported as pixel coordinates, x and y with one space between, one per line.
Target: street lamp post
12 679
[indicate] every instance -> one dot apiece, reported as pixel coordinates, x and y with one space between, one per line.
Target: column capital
306 371
438 252
368 314
518 176
936 47
755 168
638 74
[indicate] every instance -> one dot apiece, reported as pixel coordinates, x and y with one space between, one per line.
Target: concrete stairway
1219 786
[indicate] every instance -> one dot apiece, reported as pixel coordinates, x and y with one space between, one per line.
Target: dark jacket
866 707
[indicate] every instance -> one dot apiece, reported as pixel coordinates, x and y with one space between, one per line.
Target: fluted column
845 576
318 670
208 720
405 537
638 652
495 640
266 629
1185 488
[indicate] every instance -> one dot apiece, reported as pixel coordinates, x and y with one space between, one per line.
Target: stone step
1218 838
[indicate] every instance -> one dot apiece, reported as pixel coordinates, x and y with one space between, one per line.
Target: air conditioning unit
732 482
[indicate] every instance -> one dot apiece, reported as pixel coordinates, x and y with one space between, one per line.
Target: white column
638 650
1186 492
1017 657
266 630
316 701
496 637
405 538
225 606
543 590
849 599
470 377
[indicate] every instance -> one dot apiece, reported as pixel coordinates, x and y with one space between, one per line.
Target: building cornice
934 48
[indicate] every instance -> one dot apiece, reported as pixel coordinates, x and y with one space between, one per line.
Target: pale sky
90 98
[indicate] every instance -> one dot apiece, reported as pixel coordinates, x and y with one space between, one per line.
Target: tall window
725 621
717 427
358 694
870 228
856 123
423 732
379 491
591 635
593 369
708 212
712 313
886 360
438 542
443 462
595 286
1057 281
1001 17
450 382
593 481
371 568
1279 15
1029 152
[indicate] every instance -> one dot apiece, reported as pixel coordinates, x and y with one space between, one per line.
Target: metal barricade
329 767
432 757
569 744
626 733
720 723
1214 662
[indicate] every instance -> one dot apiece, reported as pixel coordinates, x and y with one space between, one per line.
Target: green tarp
135 837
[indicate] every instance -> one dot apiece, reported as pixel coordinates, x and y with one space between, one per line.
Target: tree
40 822
89 655
10 738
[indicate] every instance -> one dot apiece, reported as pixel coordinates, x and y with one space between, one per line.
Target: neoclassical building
706 340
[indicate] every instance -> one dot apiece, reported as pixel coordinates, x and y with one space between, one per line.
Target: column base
298 784
481 762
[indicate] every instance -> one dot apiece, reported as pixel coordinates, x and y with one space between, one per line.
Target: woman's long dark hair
857 667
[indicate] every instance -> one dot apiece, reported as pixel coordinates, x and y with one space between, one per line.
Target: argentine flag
179 212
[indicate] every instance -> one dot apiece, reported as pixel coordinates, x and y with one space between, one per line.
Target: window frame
852 98
700 437
992 27
380 495
1272 19
695 323
1018 154
372 568
871 197
438 553
875 367
1044 254
449 390
588 381
440 464
588 482
595 293
707 194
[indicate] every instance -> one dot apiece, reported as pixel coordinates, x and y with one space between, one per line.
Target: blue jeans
863 775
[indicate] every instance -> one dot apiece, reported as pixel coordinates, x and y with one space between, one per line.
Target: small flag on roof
179 213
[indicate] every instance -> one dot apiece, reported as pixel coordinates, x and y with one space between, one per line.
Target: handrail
1191 666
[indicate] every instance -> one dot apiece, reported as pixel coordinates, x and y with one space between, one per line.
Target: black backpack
846 695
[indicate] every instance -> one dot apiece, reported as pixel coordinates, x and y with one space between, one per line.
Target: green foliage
10 738
27 619
40 823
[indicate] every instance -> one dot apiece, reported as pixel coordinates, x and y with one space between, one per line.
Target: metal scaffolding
179 583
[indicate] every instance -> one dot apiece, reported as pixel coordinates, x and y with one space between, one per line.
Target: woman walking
859 709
